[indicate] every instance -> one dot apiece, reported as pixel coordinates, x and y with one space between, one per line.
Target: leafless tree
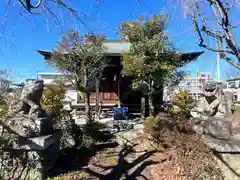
28 10
29 6
221 28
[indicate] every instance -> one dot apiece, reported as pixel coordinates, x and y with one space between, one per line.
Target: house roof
233 79
49 73
116 47
113 47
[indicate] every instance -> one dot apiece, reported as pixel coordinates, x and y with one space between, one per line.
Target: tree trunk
150 97
143 107
97 98
87 97
87 106
150 103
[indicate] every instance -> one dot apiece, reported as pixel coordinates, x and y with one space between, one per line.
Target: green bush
52 101
93 132
177 137
161 128
54 178
87 142
147 123
183 103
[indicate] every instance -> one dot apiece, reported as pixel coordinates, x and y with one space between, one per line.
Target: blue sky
24 35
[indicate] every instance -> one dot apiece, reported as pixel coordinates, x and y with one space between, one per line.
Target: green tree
81 59
152 59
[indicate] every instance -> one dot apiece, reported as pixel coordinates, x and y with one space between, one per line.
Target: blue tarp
120 113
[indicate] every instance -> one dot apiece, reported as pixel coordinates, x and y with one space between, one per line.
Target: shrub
87 142
184 103
178 139
54 178
95 130
52 101
147 123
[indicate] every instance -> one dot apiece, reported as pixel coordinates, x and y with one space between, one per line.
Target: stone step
227 155
222 145
34 144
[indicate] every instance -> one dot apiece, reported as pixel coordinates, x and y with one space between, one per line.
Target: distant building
49 78
71 95
192 83
233 85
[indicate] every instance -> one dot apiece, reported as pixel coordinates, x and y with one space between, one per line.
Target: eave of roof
117 47
233 79
49 73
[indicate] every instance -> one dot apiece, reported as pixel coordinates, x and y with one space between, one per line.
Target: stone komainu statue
30 98
214 102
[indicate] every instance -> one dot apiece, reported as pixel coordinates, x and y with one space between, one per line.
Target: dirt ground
138 160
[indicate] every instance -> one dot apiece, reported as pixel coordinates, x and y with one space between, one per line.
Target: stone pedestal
223 137
26 126
216 127
32 149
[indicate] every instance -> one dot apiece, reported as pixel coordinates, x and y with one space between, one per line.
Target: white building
71 96
192 83
233 85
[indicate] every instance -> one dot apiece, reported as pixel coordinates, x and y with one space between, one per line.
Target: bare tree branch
73 12
6 17
231 61
53 15
25 17
224 33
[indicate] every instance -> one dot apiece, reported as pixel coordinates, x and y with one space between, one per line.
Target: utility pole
218 60
197 84
218 66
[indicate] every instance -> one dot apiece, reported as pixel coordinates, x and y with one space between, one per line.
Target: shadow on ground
72 159
125 169
128 164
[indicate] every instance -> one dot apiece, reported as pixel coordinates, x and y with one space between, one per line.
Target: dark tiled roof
116 47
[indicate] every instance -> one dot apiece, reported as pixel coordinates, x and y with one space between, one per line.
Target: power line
145 5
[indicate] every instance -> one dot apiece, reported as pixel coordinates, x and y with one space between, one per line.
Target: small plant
177 137
54 178
183 103
87 142
92 127
52 101
94 132
147 123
